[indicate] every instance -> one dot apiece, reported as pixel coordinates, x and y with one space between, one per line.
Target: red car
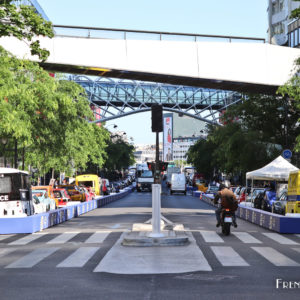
62 196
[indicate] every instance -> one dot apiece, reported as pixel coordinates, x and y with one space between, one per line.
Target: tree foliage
255 131
120 155
23 22
48 117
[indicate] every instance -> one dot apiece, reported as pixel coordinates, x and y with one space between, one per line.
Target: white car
39 207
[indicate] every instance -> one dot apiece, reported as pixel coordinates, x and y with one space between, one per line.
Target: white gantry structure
243 65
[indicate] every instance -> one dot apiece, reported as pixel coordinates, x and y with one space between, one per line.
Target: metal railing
128 34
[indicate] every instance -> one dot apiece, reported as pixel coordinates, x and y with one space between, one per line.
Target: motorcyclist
226 199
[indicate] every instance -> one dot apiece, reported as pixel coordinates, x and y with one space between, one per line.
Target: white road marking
79 258
275 257
280 238
31 259
211 237
4 252
97 237
116 226
296 249
228 257
63 238
4 237
246 238
27 239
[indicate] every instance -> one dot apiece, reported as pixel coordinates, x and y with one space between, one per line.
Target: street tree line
254 132
44 119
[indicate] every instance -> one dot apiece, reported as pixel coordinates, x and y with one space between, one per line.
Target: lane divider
41 221
271 221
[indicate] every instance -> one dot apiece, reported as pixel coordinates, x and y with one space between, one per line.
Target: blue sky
216 17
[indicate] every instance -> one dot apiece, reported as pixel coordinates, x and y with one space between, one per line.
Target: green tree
120 154
48 117
23 22
273 119
200 156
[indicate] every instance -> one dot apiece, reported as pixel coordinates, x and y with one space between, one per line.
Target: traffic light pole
157 169
156 196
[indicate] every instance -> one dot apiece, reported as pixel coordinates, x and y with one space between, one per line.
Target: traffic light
163 166
151 166
156 116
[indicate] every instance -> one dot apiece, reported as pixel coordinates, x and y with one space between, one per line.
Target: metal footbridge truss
119 98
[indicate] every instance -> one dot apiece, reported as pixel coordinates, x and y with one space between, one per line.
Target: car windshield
39 193
146 174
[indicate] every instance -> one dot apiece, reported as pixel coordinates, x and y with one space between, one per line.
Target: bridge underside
241 87
119 98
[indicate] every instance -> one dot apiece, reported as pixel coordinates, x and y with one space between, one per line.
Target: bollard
156 203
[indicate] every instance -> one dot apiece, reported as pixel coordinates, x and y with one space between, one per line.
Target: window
278 28
5 185
277 6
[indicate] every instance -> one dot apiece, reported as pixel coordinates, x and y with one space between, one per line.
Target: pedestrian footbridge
217 62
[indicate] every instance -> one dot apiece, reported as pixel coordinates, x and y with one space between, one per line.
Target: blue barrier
271 221
39 222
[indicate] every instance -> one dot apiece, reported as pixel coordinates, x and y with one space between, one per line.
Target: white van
178 183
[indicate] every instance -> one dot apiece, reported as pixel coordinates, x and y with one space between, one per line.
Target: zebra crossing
226 253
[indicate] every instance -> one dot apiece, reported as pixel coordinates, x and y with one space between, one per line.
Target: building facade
279 12
146 153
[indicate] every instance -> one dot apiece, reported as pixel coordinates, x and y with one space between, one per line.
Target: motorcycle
226 220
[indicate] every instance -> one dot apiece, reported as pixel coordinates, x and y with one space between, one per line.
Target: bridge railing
124 34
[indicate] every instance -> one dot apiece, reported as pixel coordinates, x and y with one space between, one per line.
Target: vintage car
49 192
42 196
62 196
74 192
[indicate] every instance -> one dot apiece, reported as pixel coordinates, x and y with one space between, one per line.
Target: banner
168 137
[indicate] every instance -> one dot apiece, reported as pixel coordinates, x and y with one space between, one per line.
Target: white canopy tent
277 170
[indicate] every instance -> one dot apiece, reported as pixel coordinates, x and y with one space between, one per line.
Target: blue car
268 200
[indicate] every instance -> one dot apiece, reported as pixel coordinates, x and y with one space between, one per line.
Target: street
61 262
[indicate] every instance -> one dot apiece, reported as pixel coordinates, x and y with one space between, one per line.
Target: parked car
237 191
258 200
73 192
178 183
49 194
212 189
43 197
279 206
252 194
269 198
62 196
115 187
243 193
38 206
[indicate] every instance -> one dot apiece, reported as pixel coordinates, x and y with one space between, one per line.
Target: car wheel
184 193
171 192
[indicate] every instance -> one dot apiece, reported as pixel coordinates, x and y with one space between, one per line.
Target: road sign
287 153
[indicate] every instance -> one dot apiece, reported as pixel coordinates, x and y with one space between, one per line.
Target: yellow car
74 192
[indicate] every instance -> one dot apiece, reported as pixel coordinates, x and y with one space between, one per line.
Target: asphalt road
59 263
